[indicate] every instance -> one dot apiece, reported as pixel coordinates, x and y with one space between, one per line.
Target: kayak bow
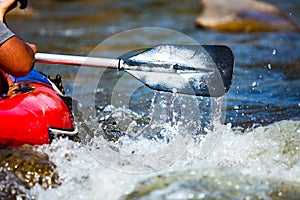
33 113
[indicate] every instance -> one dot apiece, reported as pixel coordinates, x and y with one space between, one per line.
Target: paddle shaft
77 60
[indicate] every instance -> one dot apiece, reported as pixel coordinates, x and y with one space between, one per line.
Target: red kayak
33 113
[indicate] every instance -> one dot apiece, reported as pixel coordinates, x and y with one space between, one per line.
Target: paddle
187 69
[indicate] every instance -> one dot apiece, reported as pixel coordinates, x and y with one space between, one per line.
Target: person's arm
16 56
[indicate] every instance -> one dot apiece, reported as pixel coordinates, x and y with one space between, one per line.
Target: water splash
265 159
139 143
261 162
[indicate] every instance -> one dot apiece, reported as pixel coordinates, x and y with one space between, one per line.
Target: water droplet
254 84
274 51
269 66
201 196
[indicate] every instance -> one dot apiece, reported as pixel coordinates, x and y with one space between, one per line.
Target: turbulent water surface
141 144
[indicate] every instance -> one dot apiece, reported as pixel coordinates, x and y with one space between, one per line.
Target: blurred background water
265 85
265 90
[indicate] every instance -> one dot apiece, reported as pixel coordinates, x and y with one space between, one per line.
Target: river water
252 154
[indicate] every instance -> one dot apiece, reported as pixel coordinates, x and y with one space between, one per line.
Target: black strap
23 4
3 85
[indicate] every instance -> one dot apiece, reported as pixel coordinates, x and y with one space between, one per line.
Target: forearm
16 57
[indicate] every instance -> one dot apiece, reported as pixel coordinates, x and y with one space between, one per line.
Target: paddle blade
187 69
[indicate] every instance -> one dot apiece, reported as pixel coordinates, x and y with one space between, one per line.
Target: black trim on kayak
68 101
55 133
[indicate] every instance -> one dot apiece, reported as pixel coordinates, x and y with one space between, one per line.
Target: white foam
270 152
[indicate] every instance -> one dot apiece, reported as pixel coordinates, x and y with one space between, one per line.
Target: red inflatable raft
32 113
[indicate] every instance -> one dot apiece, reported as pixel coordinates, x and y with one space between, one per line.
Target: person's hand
33 47
6 6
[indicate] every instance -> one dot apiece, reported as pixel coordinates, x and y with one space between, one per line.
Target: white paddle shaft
77 60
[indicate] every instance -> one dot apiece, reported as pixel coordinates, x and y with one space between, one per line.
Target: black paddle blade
187 69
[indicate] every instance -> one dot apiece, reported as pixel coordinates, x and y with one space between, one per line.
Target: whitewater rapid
261 155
